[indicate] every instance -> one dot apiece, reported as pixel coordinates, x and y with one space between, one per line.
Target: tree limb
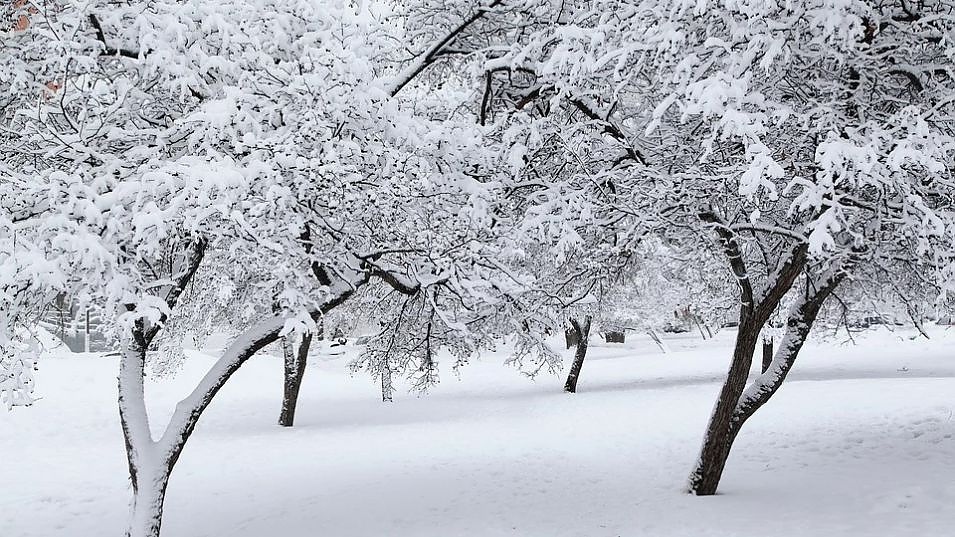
108 50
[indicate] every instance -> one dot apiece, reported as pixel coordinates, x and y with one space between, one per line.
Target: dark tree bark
295 362
721 432
753 315
583 331
767 354
571 337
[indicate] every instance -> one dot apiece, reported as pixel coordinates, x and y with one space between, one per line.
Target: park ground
859 441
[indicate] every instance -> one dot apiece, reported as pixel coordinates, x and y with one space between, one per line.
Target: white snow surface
858 441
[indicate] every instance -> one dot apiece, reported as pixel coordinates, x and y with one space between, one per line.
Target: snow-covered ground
859 441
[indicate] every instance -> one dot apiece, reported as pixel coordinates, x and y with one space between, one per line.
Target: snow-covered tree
16 375
262 144
811 140
480 170
668 289
576 232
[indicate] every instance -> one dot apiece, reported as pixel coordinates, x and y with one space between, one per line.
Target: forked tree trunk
583 331
295 362
149 475
753 313
721 433
151 461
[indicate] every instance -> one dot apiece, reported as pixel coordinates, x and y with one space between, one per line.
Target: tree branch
611 129
734 254
432 54
108 50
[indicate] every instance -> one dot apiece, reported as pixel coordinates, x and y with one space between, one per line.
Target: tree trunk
732 412
387 388
656 339
753 313
699 326
86 340
151 461
149 493
720 432
295 362
148 474
571 337
583 331
767 354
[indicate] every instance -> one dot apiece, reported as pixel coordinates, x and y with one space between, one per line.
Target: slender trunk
699 327
656 339
724 428
767 353
295 362
387 388
583 332
86 340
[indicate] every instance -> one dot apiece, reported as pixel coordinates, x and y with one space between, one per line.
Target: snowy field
859 441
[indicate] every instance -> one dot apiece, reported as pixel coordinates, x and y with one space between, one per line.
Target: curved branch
188 411
734 254
432 54
610 129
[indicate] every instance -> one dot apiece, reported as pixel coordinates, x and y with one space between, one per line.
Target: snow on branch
16 377
423 60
